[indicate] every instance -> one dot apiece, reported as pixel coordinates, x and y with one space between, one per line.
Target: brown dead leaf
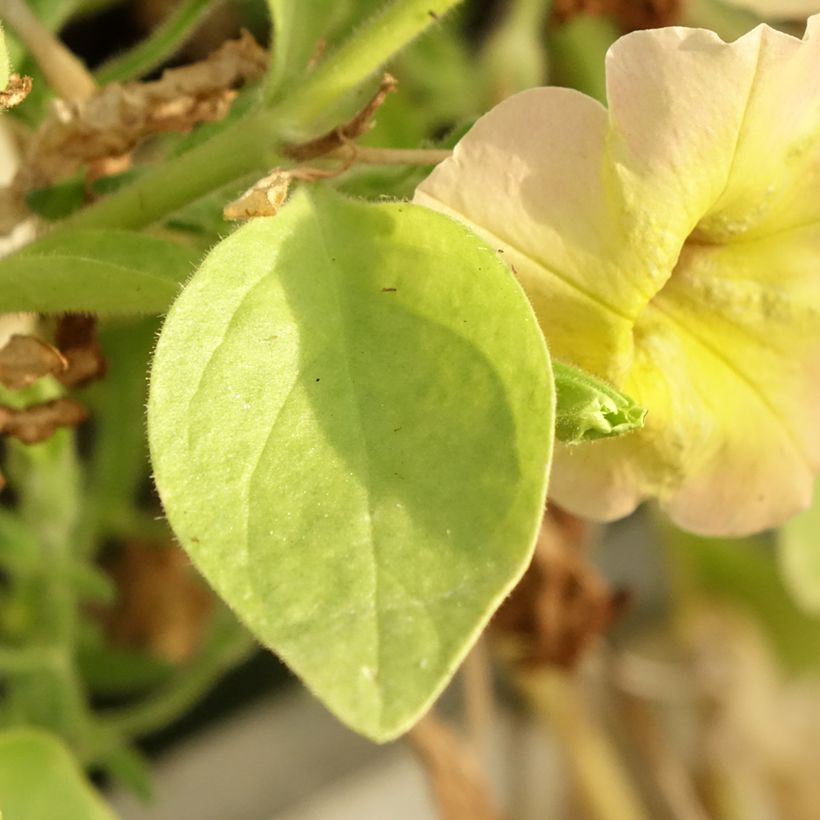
77 339
24 359
39 421
162 606
454 775
264 198
18 88
561 605
630 15
344 134
119 117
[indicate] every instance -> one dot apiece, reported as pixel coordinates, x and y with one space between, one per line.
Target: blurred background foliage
109 642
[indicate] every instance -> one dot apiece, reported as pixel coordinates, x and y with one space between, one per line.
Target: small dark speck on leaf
317 380
396 429
388 290
194 539
501 250
432 14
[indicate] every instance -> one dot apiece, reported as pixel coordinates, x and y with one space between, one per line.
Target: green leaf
589 409
104 271
350 420
39 780
799 556
57 201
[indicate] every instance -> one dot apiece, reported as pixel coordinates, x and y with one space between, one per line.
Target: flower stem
605 788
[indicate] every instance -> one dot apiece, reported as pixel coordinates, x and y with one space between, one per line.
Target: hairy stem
251 145
373 44
64 72
230 645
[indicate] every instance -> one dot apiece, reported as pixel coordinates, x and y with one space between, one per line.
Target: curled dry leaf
344 134
38 422
561 605
77 340
24 359
162 605
17 89
460 790
116 119
264 198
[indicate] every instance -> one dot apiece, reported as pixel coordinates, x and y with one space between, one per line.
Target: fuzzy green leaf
100 271
350 421
39 780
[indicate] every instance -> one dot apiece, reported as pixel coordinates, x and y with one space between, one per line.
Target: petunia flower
671 246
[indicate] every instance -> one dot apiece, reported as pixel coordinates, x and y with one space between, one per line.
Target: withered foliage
77 340
630 15
344 134
454 774
17 89
120 116
162 605
24 359
39 421
264 198
561 605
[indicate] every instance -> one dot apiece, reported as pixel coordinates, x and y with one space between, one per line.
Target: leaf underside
350 419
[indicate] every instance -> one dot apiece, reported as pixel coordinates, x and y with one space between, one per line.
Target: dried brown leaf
264 198
77 339
39 421
561 605
455 777
119 117
24 359
162 605
344 134
17 89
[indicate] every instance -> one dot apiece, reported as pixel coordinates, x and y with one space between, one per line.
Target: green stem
364 53
161 44
246 146
250 145
46 477
26 659
603 785
228 648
